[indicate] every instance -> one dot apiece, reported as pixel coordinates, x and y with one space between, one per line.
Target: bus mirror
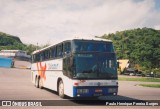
67 53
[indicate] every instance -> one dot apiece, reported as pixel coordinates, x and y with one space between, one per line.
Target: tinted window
59 50
37 57
97 46
95 65
67 47
42 56
53 52
67 67
46 54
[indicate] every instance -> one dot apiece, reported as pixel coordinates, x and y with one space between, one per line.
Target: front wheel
61 89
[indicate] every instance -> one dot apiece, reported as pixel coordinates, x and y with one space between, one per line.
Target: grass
150 85
141 79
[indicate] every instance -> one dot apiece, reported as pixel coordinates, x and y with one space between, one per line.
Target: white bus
77 68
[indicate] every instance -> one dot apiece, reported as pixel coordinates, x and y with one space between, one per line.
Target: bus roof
77 38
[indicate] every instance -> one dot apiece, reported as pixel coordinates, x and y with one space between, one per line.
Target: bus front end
94 68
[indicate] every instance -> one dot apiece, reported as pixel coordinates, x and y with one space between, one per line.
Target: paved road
15 84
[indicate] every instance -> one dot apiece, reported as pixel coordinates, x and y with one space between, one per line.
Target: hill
140 46
10 42
6 39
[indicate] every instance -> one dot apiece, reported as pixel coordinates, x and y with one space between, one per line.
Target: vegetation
9 42
140 46
142 79
150 85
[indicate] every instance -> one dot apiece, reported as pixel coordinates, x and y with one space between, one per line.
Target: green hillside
140 46
10 42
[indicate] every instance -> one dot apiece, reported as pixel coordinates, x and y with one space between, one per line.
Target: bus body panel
49 71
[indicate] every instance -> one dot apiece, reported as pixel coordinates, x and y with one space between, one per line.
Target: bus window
67 70
46 54
48 57
50 53
37 57
43 56
92 46
67 47
59 50
53 52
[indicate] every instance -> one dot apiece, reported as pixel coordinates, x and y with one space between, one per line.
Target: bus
77 68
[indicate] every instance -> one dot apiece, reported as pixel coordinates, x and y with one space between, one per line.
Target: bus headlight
81 91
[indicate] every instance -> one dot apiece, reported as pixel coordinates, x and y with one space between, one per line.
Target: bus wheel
36 82
61 89
40 83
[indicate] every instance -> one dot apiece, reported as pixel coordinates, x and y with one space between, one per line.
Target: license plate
112 90
97 94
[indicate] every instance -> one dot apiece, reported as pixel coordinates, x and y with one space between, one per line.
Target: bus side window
37 57
59 50
50 53
66 48
67 67
46 54
42 56
53 52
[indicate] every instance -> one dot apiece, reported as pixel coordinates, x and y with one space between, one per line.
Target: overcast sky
49 21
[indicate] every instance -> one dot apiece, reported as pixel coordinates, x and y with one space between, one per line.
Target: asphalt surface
15 84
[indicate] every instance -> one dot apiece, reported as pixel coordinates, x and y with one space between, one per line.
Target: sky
51 21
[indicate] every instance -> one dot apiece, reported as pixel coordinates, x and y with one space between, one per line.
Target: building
123 64
14 54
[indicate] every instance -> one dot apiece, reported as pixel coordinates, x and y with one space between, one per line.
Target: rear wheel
40 83
36 82
61 89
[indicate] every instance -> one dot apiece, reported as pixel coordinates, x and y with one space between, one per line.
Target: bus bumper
93 91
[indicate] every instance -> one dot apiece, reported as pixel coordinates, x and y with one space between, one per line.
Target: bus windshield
95 66
92 46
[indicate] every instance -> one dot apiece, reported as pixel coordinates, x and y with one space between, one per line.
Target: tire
36 82
40 82
61 89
